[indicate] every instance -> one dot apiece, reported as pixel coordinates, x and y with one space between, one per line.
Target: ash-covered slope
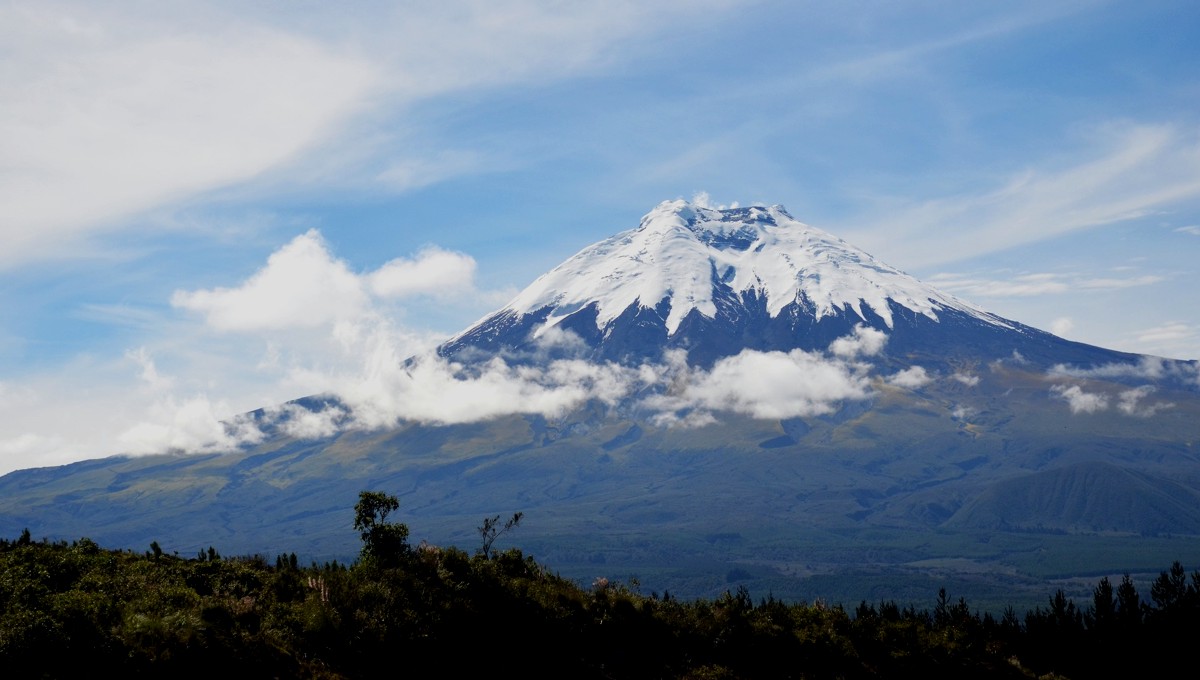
717 282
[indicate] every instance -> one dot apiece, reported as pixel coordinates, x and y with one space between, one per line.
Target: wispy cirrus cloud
1032 284
1134 170
111 110
1175 330
108 111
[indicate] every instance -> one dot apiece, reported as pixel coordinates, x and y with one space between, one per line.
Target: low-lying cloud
1080 401
765 385
1147 368
1130 402
913 377
388 389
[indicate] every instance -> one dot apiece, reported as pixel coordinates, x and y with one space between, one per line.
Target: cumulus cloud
912 378
1061 326
865 341
703 200
1080 401
303 286
765 385
432 272
432 390
387 388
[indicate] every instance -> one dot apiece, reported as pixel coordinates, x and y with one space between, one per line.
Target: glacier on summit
717 281
682 252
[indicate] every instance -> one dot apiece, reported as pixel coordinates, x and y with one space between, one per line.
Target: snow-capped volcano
687 255
716 281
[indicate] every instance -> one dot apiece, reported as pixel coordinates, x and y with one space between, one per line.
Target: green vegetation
75 609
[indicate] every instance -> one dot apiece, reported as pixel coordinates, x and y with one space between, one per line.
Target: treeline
75 609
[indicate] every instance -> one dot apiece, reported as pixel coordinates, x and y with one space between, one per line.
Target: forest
70 609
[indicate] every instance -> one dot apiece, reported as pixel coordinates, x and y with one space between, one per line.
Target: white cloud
110 110
1147 367
960 412
416 172
431 390
1080 401
304 286
913 377
1192 229
302 423
1129 402
865 341
1173 330
967 379
1111 283
432 272
194 425
766 385
703 200
1136 170
23 445
303 324
1035 284
386 388
1173 338
556 338
1061 326
149 375
301 286
107 112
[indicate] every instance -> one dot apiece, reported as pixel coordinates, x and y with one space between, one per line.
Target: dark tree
1170 588
1104 606
1129 604
384 543
491 529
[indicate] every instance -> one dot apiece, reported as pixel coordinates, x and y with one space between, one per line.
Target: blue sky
208 209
